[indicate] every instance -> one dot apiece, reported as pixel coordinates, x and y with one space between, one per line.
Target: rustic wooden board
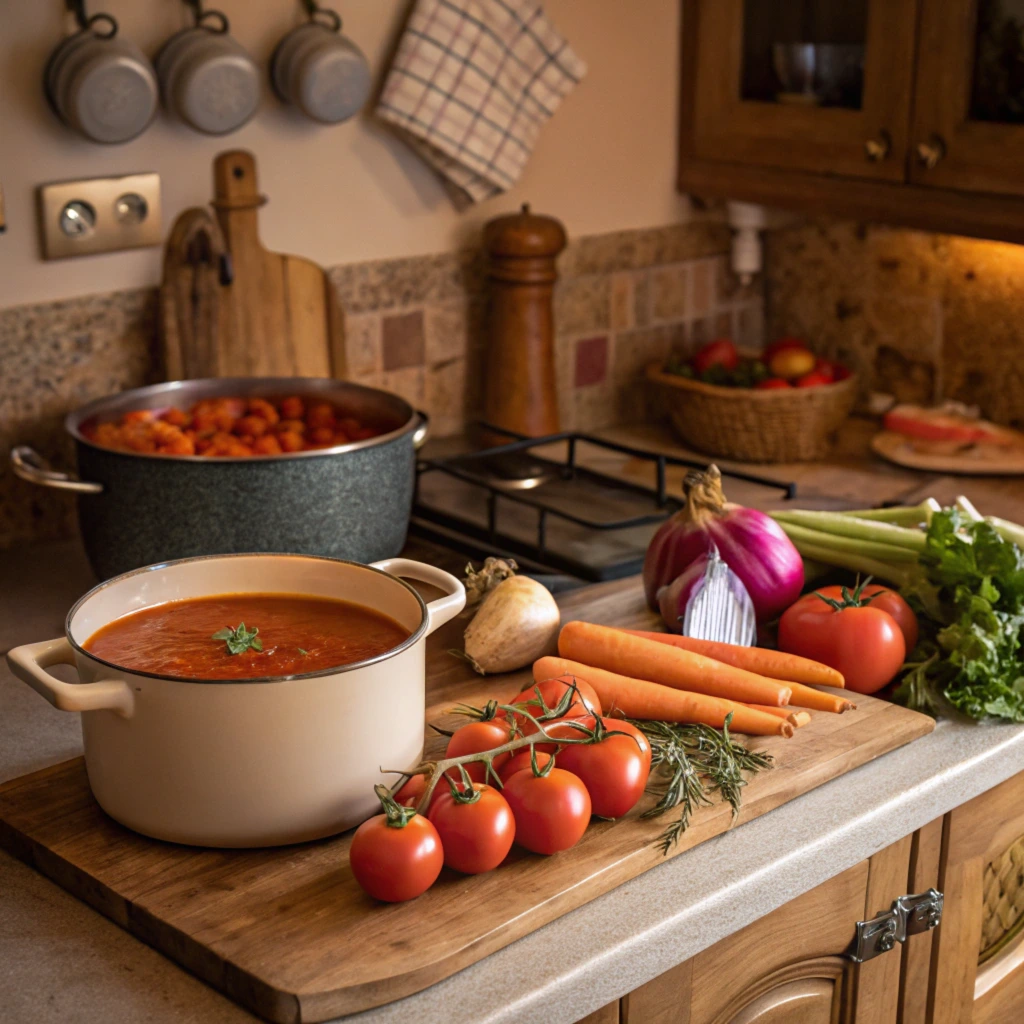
979 460
277 316
288 933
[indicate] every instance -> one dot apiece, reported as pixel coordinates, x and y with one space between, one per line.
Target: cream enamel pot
262 762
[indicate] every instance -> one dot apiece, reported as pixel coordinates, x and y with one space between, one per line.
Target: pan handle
440 610
28 464
29 664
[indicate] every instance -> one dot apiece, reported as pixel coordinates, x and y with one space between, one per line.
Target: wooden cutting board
231 308
288 933
976 460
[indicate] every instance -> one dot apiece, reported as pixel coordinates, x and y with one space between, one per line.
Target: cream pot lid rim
413 637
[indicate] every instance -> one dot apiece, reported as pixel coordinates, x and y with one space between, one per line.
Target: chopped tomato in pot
232 428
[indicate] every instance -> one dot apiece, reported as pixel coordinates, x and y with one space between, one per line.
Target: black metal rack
471 469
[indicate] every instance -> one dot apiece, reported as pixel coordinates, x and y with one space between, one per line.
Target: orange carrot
638 698
808 697
773 664
798 718
628 655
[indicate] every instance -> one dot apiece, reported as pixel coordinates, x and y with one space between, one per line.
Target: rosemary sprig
692 763
239 640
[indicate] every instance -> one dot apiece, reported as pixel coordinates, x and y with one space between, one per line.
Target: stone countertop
61 961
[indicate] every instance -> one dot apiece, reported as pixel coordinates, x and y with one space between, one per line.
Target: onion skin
672 600
751 543
516 624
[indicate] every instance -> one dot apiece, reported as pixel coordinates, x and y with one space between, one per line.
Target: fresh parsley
970 604
239 640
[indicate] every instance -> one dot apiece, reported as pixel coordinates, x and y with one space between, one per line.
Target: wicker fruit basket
787 425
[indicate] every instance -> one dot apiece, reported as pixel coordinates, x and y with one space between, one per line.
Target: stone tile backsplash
415 326
921 316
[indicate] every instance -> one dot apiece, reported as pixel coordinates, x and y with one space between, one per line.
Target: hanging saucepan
350 501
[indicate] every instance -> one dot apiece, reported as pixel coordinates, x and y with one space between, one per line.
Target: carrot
619 651
638 698
798 718
774 664
807 697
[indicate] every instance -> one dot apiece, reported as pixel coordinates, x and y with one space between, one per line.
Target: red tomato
552 811
412 790
552 691
395 863
813 379
720 352
865 644
888 601
780 345
840 372
477 836
520 760
772 383
614 770
791 363
825 368
475 738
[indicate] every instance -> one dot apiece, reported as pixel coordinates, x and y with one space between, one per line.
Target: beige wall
350 192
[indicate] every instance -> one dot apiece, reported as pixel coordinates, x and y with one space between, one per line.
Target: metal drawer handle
28 464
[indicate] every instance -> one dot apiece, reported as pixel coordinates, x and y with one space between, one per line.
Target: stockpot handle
28 464
444 608
422 431
29 664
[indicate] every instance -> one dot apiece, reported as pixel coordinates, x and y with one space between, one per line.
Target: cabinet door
817 85
790 967
979 955
969 103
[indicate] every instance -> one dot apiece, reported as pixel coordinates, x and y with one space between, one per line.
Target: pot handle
444 608
29 664
28 464
422 431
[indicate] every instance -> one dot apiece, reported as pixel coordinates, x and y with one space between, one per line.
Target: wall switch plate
100 215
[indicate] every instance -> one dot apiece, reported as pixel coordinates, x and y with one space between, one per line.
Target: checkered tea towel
471 84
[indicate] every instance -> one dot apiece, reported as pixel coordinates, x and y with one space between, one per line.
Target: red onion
673 598
751 543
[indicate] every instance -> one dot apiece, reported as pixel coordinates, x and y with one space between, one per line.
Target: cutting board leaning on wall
231 308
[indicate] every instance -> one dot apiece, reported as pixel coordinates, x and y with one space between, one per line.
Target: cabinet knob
931 152
877 149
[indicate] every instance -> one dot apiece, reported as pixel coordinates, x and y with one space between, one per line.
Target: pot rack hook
324 15
211 20
86 23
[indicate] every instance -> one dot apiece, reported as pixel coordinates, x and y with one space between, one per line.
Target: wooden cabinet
909 111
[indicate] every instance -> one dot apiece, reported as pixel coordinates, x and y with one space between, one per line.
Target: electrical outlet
94 215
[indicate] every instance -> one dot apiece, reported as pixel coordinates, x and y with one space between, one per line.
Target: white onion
516 624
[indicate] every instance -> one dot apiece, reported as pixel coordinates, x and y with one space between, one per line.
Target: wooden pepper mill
520 391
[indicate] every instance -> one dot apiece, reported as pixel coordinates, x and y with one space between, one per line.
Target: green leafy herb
690 764
970 604
240 639
303 651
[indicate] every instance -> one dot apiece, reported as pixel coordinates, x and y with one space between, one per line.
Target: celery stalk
840 525
850 545
900 515
1013 532
855 563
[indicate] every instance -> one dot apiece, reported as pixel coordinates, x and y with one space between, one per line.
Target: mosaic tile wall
920 315
415 326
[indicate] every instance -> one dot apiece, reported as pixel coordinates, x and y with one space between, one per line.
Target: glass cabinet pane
997 91
809 52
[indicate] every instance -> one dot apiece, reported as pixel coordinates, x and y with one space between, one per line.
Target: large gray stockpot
352 501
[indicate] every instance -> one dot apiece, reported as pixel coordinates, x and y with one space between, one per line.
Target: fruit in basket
791 363
813 379
720 352
780 345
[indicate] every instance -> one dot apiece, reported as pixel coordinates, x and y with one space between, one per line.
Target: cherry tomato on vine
411 791
614 770
476 836
396 862
889 601
475 738
586 701
552 811
865 643
520 760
